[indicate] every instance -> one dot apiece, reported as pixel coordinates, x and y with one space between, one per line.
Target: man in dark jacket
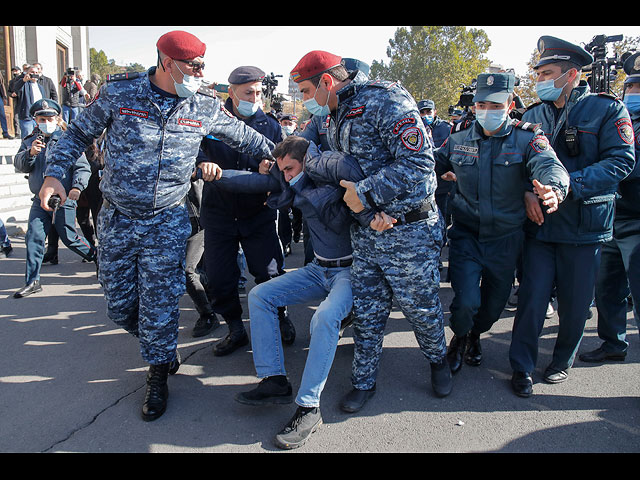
619 274
31 159
593 138
232 220
308 180
29 88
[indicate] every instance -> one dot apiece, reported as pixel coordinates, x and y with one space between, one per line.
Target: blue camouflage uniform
488 210
565 249
400 180
152 142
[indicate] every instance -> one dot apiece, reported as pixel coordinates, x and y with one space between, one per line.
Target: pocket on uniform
596 213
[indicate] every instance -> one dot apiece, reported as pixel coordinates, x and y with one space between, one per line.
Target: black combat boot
456 351
473 355
155 400
236 338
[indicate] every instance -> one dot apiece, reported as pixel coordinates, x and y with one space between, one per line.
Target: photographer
72 93
31 159
29 88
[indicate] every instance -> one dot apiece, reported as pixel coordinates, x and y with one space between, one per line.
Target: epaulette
610 95
532 127
533 105
461 125
381 84
209 92
123 76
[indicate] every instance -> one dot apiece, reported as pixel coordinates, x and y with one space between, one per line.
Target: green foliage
432 62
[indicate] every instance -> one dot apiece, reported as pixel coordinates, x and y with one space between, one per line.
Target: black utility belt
341 262
428 206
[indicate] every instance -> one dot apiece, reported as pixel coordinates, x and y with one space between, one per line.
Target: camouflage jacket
379 124
149 157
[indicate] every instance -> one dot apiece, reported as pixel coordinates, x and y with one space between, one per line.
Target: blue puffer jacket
606 156
317 194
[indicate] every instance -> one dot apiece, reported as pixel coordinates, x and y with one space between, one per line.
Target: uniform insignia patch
412 138
189 123
134 112
327 121
539 143
402 123
625 130
355 112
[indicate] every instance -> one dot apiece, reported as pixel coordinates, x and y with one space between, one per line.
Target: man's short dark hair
293 145
338 72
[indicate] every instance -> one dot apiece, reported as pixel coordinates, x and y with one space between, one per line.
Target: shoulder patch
625 130
539 143
609 95
401 123
412 138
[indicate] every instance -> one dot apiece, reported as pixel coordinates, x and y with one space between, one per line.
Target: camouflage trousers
403 263
142 272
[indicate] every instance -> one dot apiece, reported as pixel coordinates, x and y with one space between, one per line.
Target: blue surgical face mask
248 109
316 109
547 90
491 120
189 86
428 119
296 178
48 127
632 101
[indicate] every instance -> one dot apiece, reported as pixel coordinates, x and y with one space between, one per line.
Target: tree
432 62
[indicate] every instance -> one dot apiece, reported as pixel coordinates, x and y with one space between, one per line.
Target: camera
603 70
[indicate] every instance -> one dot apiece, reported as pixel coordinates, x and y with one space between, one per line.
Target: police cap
246 75
424 104
632 68
554 50
45 107
181 45
314 63
352 64
494 87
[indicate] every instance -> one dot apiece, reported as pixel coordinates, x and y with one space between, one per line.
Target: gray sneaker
304 422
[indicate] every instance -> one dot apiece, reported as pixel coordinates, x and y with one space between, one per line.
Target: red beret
181 45
314 63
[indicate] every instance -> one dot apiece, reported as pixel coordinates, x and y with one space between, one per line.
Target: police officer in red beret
155 122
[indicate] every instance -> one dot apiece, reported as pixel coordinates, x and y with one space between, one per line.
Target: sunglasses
195 66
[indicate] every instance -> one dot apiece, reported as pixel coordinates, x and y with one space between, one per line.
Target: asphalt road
70 381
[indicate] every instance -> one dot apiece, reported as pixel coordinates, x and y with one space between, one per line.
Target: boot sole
291 445
283 400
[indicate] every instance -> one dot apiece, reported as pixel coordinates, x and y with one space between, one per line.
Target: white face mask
47 127
189 86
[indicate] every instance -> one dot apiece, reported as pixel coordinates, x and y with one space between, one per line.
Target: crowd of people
192 190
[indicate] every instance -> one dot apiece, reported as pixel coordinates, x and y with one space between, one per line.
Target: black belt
341 262
428 206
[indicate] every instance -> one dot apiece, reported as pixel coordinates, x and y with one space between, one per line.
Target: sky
276 49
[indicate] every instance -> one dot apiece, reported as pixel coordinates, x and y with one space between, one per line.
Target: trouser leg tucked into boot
155 400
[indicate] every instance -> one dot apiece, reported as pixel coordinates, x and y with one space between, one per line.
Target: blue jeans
4 238
69 114
309 283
